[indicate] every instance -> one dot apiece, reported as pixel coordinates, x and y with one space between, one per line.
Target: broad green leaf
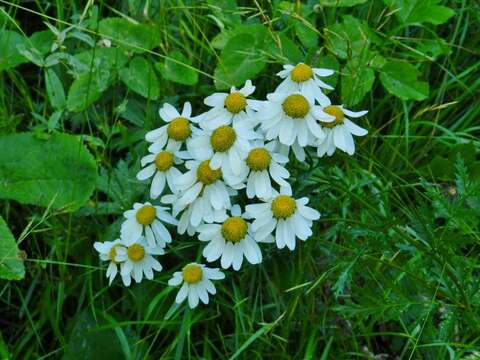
430 47
9 54
287 52
357 81
341 3
86 89
34 171
42 41
329 62
420 11
134 37
174 70
140 78
101 58
400 79
11 265
225 12
55 91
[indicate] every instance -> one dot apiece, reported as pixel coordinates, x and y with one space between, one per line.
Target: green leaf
329 62
400 79
420 11
357 81
55 91
86 89
42 41
288 52
140 78
341 3
174 70
11 266
101 58
134 37
9 54
34 171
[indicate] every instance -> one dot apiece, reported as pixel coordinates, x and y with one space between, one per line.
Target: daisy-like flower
137 261
230 107
110 251
287 216
197 283
144 219
226 146
203 189
339 132
161 165
176 132
305 79
292 118
262 164
230 241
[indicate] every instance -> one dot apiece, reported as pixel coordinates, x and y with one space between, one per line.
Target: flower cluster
202 164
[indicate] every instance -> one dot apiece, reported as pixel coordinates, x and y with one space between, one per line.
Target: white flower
203 189
230 241
288 217
197 283
292 118
225 146
137 261
177 131
232 107
262 164
339 132
110 251
304 79
144 219
162 164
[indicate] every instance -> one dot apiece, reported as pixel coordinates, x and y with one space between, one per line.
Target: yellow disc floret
301 73
283 206
146 214
259 159
223 138
235 102
164 160
192 273
206 175
136 252
296 106
179 129
334 111
234 229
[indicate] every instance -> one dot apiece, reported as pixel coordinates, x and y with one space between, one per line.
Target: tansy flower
110 251
144 220
304 79
176 132
262 163
225 146
287 217
291 118
232 107
137 261
197 283
162 164
338 133
231 241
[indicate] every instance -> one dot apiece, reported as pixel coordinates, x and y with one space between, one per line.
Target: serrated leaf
140 78
356 82
420 11
9 54
341 3
86 89
55 91
173 69
11 266
35 171
400 79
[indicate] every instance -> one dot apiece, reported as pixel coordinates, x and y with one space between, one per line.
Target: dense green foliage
392 269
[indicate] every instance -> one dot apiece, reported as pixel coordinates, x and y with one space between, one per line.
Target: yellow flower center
334 111
164 160
146 214
301 73
259 159
235 102
223 138
192 273
283 206
179 129
234 229
112 254
206 175
136 252
296 106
